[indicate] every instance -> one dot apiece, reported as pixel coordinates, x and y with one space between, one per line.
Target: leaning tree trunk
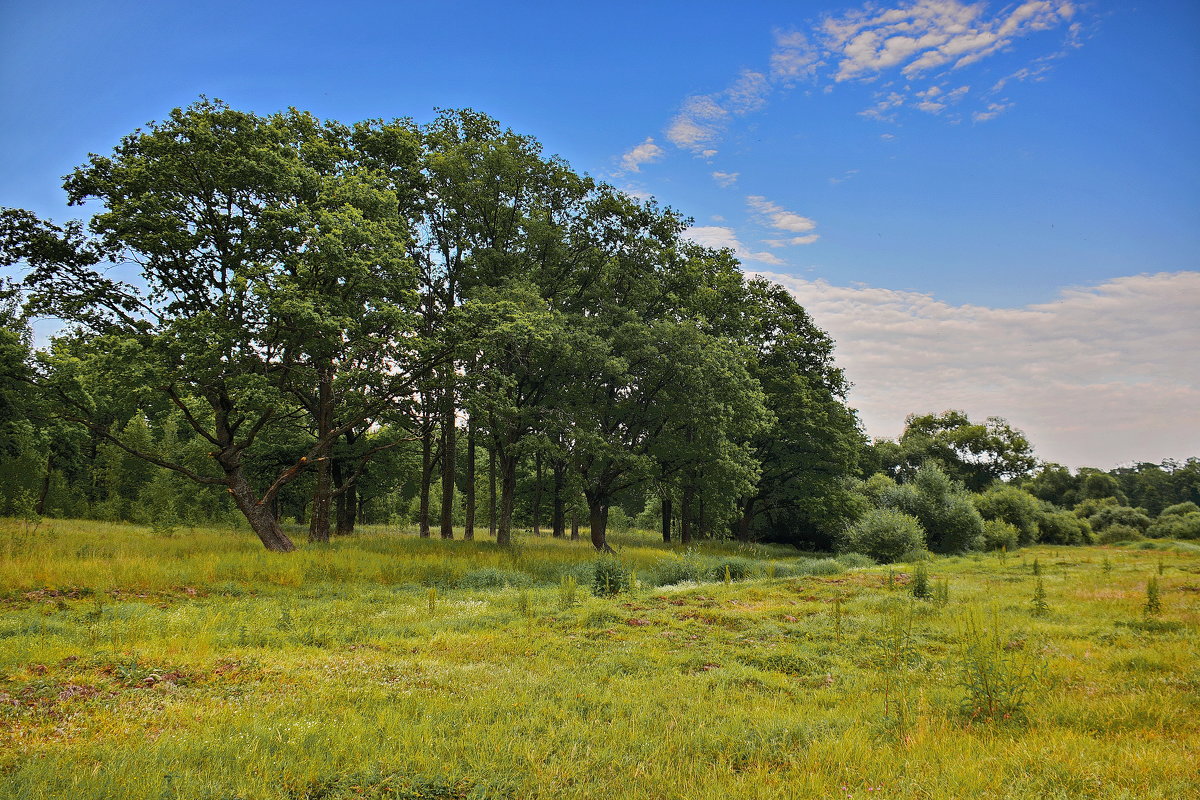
258 513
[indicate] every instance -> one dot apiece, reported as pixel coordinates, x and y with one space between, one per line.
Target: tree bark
747 516
39 507
492 529
598 519
449 433
262 520
574 526
469 498
667 509
318 524
685 513
508 493
426 479
537 494
558 520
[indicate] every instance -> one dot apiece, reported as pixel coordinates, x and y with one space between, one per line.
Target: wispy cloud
725 179
702 119
643 153
722 237
779 218
915 45
1103 374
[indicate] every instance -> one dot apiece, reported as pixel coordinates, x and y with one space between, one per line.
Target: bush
493 578
1063 527
942 507
1015 506
884 534
1000 535
855 560
1119 533
737 568
1179 509
610 577
1176 526
1120 515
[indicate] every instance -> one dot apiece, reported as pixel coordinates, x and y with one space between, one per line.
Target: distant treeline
280 318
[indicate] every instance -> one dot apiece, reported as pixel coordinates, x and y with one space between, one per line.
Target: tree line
274 317
264 303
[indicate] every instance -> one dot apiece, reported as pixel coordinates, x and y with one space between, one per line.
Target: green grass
198 666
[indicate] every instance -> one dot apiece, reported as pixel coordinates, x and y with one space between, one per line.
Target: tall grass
383 665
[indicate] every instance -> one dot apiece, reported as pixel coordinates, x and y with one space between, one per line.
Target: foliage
884 534
1000 535
942 506
1014 506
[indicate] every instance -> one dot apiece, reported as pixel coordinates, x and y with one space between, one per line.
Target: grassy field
137 665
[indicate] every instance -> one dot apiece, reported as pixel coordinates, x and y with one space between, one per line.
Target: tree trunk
426 479
39 507
492 491
574 526
685 513
743 524
449 433
318 524
558 520
508 492
667 502
537 494
469 498
598 518
262 520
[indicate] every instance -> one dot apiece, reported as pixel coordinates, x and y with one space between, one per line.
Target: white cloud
1102 375
725 179
793 241
993 110
644 153
702 119
794 58
927 34
721 237
778 217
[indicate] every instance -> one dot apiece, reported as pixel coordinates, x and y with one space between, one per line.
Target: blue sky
991 206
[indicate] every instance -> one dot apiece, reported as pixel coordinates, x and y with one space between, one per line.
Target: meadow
150 665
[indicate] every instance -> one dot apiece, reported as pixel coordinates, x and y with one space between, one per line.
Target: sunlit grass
383 665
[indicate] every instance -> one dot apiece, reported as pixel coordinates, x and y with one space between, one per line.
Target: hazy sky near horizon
990 206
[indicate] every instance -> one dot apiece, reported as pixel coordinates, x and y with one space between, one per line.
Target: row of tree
275 316
262 303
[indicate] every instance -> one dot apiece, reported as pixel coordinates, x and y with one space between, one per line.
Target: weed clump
997 675
610 577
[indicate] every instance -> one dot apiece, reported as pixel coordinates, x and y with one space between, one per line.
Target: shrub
1000 535
493 578
735 567
1176 526
1063 527
1119 533
884 534
610 577
1015 506
1179 509
1120 515
855 560
942 507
